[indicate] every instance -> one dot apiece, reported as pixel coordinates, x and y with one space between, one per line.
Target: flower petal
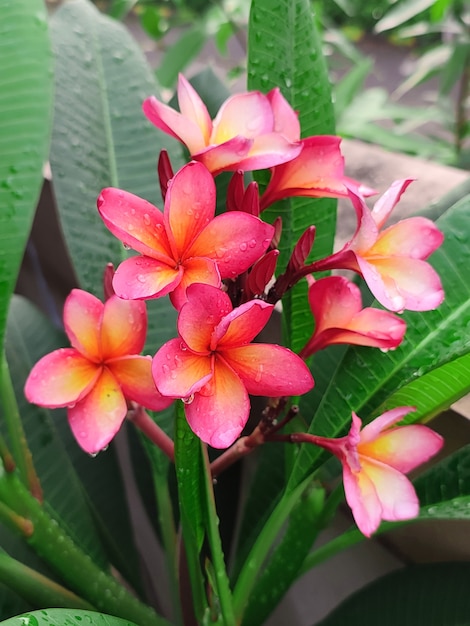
193 108
415 238
241 325
135 222
220 410
334 301
269 370
269 150
124 327
205 308
363 500
404 447
134 375
225 156
387 202
234 240
61 378
387 420
98 417
286 120
141 277
400 283
395 492
175 124
178 372
83 315
317 171
189 205
195 270
246 114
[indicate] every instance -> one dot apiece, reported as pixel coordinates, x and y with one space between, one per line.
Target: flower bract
100 372
185 243
214 365
251 130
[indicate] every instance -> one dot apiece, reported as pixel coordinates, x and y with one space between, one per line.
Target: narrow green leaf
366 378
434 392
190 477
100 135
454 68
71 617
401 13
347 87
25 120
284 50
431 593
178 56
120 8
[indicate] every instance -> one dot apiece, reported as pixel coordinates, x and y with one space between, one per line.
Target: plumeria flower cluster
219 272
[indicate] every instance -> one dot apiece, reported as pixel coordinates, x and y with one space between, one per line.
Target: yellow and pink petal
61 378
83 314
134 375
124 327
175 124
193 108
242 325
220 410
189 206
178 372
98 416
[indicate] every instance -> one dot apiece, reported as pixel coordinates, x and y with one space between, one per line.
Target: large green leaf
433 594
366 378
25 118
284 50
60 617
100 135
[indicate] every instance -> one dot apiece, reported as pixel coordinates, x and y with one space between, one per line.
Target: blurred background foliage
400 69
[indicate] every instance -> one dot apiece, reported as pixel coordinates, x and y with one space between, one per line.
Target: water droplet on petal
189 399
243 247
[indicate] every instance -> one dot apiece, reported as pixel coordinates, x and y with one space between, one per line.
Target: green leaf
434 392
190 477
100 135
401 13
120 8
71 617
433 593
25 120
366 378
178 56
453 70
284 50
347 88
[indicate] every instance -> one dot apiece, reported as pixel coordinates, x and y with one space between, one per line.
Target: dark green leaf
435 594
25 120
284 50
453 70
401 13
100 136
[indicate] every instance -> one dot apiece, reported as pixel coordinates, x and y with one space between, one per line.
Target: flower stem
36 588
20 450
76 568
142 420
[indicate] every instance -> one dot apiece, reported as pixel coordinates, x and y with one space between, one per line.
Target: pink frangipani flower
317 172
185 243
100 372
336 305
251 130
213 365
375 461
392 261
